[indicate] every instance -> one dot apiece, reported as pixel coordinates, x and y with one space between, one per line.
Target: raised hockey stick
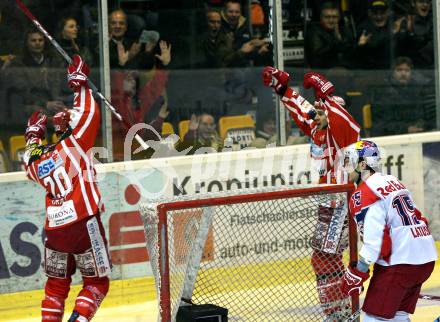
69 60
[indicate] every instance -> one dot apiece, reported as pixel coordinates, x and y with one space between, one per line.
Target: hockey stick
69 60
429 297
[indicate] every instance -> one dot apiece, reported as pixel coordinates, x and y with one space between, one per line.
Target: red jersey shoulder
361 198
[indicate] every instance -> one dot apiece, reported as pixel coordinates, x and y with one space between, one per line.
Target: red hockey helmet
61 121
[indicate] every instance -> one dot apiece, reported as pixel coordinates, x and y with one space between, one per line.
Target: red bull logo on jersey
391 187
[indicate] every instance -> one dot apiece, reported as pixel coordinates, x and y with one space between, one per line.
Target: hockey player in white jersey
396 239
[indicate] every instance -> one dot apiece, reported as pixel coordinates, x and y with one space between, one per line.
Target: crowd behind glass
181 66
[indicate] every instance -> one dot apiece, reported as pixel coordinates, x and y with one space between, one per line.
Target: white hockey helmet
362 150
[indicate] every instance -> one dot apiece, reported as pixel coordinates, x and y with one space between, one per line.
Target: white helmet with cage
363 150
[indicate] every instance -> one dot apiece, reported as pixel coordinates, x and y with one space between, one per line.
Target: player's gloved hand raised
352 281
77 72
319 83
275 78
36 126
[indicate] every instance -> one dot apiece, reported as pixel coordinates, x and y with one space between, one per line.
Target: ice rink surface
134 301
427 310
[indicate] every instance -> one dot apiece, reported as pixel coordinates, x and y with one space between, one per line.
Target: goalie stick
69 60
357 314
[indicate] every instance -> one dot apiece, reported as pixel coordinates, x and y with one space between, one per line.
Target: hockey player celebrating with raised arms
75 237
395 235
330 128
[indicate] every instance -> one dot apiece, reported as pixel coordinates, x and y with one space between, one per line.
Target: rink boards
414 159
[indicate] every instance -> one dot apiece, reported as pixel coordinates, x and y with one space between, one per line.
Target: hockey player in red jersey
330 128
395 236
75 237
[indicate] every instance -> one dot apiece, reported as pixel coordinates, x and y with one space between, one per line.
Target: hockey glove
319 83
275 78
77 72
36 126
352 281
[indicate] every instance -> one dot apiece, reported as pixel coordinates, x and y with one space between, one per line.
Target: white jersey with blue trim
392 229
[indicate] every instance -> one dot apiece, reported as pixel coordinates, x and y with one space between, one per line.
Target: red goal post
197 252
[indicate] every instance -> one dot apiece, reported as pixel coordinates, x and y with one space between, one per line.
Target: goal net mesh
251 255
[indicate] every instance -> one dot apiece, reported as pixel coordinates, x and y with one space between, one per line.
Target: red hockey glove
320 84
77 72
275 78
352 281
61 121
36 126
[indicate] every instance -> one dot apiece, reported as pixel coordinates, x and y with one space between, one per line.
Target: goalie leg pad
330 295
329 270
89 298
331 231
327 264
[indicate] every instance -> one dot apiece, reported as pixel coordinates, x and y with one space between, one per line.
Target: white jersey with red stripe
342 130
66 169
384 209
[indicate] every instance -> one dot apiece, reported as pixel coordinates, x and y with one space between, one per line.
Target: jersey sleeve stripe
350 122
81 179
77 110
90 175
86 99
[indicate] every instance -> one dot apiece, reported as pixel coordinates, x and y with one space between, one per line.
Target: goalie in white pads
75 236
395 235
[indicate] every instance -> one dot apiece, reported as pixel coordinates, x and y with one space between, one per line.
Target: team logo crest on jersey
47 166
356 197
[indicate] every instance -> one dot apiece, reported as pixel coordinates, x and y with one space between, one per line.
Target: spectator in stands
213 40
398 108
267 135
266 130
202 133
234 24
329 44
241 48
415 34
133 98
153 133
31 80
375 43
126 53
122 50
67 35
217 46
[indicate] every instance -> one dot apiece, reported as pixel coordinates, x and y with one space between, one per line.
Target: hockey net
248 252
